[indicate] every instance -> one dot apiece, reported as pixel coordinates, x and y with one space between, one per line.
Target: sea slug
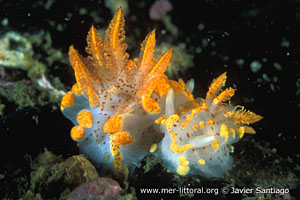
124 109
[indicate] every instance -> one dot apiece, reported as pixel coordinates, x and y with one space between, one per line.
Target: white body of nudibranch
198 134
122 109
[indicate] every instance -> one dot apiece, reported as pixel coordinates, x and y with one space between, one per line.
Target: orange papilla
121 138
67 100
85 119
114 124
150 105
155 75
224 96
85 79
95 47
77 90
77 133
216 86
146 59
243 116
114 47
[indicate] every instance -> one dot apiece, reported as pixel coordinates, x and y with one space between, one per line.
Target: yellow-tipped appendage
242 116
216 86
239 115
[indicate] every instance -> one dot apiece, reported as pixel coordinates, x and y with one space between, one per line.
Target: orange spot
215 145
153 147
77 133
183 167
210 122
122 138
202 124
183 161
195 127
114 124
67 100
150 105
182 170
201 162
130 63
85 119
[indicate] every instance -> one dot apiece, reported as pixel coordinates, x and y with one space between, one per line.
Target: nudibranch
124 109
198 133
